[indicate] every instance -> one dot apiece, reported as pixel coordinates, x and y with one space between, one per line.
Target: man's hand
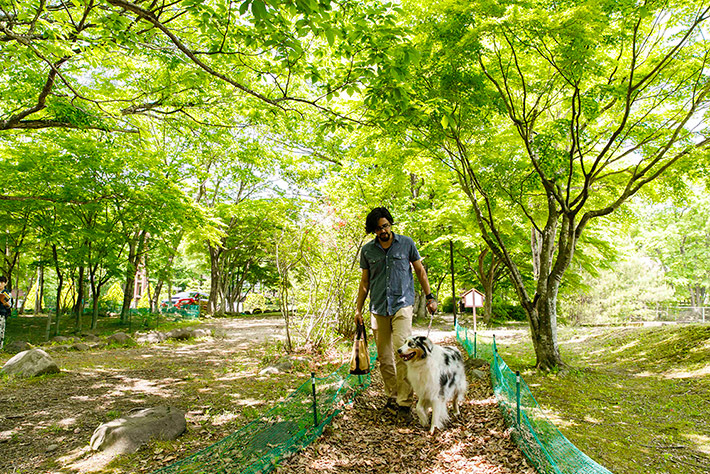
358 317
432 305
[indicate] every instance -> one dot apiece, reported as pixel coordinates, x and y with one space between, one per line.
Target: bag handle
360 332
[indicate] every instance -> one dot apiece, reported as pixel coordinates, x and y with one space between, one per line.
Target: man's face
383 230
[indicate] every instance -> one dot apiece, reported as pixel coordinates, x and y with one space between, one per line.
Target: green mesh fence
186 312
542 443
288 427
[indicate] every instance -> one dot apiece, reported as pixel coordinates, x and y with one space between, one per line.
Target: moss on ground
633 399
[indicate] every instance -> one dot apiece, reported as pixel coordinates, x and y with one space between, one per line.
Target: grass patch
31 328
635 399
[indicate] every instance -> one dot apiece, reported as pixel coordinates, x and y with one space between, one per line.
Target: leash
431 319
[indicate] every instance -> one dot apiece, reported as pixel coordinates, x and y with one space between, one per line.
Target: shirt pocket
399 264
376 263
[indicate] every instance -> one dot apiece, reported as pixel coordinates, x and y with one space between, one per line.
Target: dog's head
415 348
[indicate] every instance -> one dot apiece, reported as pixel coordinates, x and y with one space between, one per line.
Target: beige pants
390 335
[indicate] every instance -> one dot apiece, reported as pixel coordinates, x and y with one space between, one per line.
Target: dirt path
46 424
367 439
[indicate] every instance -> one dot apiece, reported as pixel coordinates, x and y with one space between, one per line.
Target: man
387 276
5 307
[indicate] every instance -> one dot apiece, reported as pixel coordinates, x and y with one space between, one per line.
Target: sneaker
391 405
404 413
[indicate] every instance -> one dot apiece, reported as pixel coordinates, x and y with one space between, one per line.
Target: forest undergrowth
633 399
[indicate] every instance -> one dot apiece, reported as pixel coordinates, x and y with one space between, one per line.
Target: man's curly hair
373 218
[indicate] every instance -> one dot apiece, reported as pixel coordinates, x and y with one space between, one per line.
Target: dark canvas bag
360 360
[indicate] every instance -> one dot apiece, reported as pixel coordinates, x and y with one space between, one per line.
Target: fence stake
475 355
517 395
315 406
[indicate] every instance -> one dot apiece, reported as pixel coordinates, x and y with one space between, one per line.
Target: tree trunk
487 301
419 306
30 284
79 304
39 292
215 279
543 326
542 311
488 275
94 310
284 305
551 257
135 251
94 297
58 307
128 289
155 301
96 286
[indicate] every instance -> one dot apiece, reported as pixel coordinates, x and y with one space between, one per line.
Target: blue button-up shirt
391 281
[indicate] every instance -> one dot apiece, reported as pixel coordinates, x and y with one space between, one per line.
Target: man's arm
419 270
362 291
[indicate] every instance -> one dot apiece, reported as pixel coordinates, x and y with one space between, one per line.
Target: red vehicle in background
193 299
187 298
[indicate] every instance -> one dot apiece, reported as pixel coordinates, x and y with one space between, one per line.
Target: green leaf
258 8
330 36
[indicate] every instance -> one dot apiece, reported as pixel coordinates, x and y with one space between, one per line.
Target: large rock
31 364
152 337
120 338
17 346
199 332
278 367
127 434
180 334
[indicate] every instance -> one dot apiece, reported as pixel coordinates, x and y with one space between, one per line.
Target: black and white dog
437 375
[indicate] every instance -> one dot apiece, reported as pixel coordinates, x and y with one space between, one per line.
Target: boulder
129 433
59 339
17 346
31 363
153 337
180 334
201 333
80 346
278 367
120 338
59 348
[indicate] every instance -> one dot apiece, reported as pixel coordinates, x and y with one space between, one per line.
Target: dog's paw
434 428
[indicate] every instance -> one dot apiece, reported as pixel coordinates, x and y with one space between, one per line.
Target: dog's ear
425 344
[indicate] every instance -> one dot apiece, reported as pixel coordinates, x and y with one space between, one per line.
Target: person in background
386 263
5 307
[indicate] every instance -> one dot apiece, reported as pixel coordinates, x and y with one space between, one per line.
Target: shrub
254 302
447 306
509 312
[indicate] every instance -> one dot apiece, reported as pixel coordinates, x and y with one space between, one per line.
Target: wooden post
453 278
473 294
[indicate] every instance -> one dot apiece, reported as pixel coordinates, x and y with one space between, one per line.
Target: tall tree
557 113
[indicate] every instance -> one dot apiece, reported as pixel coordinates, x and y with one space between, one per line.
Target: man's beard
384 237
